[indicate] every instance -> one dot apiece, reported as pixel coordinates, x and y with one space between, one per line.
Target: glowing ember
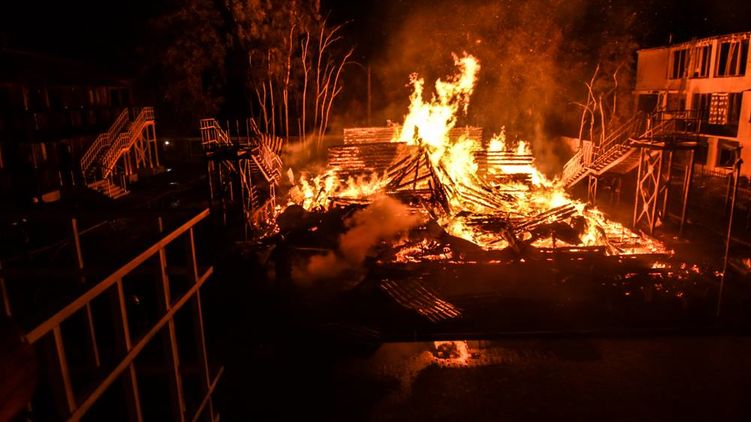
508 204
456 352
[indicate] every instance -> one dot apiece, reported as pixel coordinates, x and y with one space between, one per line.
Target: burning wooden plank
366 135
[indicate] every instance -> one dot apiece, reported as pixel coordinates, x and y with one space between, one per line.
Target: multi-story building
50 111
712 77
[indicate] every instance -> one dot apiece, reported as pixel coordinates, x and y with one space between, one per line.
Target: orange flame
513 189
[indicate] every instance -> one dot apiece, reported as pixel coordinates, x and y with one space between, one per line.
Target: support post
592 190
736 176
169 338
131 378
687 182
654 198
198 322
638 184
82 280
666 181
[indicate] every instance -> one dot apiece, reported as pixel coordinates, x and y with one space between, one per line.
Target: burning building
473 198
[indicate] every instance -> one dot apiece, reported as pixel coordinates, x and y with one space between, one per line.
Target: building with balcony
51 109
711 76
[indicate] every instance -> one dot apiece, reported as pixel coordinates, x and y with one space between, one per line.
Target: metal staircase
253 159
131 141
109 189
126 140
101 144
618 154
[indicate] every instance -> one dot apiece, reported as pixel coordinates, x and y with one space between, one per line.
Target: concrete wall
652 69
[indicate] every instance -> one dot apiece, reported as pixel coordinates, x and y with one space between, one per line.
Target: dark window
6 99
701 154
115 97
56 98
647 102
37 100
679 65
726 152
125 96
701 104
700 61
732 58
734 107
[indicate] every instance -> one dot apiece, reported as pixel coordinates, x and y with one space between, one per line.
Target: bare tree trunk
285 93
336 89
304 57
262 104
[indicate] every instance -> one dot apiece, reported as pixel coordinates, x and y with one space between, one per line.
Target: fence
70 394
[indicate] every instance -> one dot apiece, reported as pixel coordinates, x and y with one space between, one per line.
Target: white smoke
384 219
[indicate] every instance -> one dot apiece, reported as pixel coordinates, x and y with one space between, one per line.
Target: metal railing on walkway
78 397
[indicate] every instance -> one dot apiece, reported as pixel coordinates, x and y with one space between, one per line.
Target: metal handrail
212 132
125 140
103 140
78 407
572 167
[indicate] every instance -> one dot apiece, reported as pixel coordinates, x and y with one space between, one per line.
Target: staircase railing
641 126
676 121
572 167
103 140
212 133
621 135
268 162
125 140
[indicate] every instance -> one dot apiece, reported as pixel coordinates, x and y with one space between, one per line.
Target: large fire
508 204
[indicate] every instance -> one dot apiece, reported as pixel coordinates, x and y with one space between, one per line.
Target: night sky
109 33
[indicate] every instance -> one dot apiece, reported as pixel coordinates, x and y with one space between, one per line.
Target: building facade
712 78
50 111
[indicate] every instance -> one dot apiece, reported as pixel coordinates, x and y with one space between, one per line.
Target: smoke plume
383 220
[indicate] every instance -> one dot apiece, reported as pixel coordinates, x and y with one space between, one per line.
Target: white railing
103 141
572 167
212 133
125 140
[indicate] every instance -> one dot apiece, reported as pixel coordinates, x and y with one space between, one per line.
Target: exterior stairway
99 161
254 161
617 154
101 144
109 189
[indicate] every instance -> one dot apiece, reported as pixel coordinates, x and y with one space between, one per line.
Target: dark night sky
660 19
95 31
